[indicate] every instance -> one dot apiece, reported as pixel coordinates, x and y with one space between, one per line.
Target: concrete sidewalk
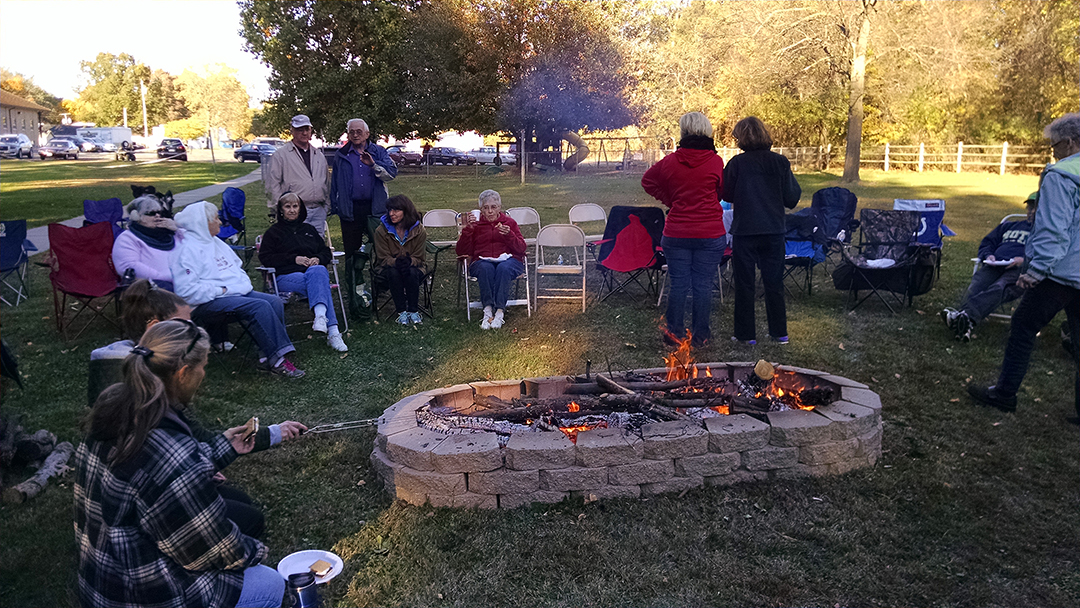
40 236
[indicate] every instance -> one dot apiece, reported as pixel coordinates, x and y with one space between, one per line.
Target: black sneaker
989 396
963 327
287 370
948 315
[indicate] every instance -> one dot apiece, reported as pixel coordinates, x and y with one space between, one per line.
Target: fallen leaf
343 356
996 424
1038 400
897 375
842 346
1050 373
439 595
919 311
361 482
873 379
954 400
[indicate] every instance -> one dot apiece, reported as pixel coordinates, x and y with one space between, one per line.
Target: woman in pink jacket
149 242
689 182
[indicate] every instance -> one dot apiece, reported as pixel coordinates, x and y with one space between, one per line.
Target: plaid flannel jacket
152 531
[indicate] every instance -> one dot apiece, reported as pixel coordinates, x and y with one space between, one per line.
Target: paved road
40 236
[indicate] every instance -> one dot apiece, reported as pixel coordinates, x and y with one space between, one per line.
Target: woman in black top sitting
299 255
759 184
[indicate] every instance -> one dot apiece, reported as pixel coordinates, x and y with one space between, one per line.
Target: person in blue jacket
1001 257
358 195
1051 281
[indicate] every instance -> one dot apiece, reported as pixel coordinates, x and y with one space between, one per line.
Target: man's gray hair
489 194
143 205
1065 127
349 124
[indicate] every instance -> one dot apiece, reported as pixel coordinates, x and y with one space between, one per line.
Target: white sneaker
486 323
223 347
497 321
415 318
337 343
319 325
403 318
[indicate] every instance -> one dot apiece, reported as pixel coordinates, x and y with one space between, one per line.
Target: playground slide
580 150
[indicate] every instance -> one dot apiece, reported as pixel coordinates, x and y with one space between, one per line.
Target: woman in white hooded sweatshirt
209 276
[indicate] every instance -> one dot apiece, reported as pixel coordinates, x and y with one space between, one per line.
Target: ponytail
126 412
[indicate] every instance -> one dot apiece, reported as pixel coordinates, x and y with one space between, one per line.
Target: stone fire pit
476 469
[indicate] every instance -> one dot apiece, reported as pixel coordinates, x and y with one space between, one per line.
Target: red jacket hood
693 158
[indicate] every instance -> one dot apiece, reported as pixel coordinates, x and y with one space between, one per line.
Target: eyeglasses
357 131
198 334
158 213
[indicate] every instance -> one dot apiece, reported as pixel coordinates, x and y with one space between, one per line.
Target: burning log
647 404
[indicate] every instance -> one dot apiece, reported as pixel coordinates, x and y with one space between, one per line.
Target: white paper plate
302 560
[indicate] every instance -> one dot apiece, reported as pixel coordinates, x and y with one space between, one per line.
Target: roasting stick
342 426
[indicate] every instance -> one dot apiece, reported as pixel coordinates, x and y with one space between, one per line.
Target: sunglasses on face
158 213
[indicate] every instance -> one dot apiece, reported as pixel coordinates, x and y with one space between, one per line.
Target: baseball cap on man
300 121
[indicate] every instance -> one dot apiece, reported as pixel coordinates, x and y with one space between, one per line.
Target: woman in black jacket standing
759 185
299 255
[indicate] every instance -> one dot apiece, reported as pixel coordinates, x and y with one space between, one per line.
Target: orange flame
572 431
573 407
680 361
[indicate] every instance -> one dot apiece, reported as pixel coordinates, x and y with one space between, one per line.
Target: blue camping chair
804 245
15 251
931 230
835 211
233 223
110 210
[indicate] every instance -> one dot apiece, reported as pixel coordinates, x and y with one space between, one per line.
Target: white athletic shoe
497 322
319 325
337 343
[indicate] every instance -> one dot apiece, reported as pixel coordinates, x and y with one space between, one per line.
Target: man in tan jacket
300 167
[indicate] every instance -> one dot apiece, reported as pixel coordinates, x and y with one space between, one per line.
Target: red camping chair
81 260
634 251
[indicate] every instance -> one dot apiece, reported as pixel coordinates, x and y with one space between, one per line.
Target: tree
216 98
23 86
112 84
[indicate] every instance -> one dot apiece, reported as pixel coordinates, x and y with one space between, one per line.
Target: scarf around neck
161 239
697 142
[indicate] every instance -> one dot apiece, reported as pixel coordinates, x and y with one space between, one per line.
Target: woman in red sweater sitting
496 255
689 181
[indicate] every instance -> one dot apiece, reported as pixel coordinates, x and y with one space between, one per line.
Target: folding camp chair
526 217
110 210
81 261
631 247
523 277
884 259
15 251
270 285
561 240
234 223
720 278
1012 217
835 211
804 245
931 230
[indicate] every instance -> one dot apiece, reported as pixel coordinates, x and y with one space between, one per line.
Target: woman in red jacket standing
496 255
689 182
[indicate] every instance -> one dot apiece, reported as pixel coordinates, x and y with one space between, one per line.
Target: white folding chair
441 218
560 239
525 216
271 286
589 212
468 280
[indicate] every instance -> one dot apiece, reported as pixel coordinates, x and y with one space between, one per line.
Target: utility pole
125 116
142 90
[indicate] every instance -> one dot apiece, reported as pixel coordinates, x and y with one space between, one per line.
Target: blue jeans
990 287
264 314
313 283
765 251
692 266
494 279
263 588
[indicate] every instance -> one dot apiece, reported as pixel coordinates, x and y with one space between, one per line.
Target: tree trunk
857 87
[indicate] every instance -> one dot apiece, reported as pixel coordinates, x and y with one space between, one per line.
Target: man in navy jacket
1001 257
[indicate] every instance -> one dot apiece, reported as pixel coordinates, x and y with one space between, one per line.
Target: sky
46 39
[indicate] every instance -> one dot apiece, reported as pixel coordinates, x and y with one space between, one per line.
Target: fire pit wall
472 470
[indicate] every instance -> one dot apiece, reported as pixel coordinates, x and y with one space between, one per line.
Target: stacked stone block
471 470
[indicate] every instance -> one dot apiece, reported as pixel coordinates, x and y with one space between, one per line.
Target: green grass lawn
52 191
966 507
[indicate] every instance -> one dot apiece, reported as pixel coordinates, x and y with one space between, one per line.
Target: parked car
59 148
486 155
450 156
253 152
16 145
402 156
171 147
81 142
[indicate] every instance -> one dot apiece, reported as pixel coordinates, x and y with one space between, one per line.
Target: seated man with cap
300 168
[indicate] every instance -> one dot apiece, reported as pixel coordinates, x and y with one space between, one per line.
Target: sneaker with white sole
222 347
964 326
403 318
337 343
319 325
497 320
486 323
948 315
287 369
415 318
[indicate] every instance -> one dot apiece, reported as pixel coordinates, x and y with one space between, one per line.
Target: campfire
684 391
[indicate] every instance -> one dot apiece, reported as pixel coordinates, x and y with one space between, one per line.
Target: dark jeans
263 313
990 287
404 287
239 508
353 232
692 266
767 253
494 279
1037 308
